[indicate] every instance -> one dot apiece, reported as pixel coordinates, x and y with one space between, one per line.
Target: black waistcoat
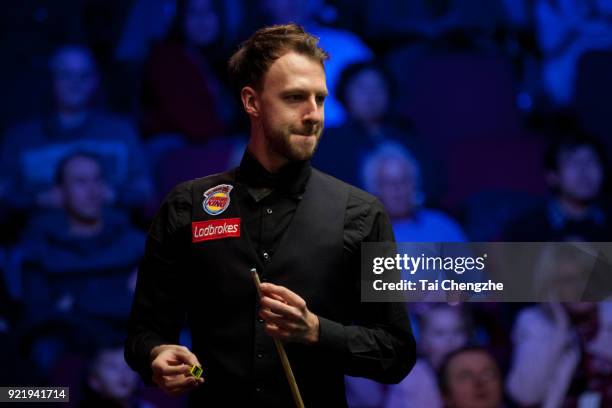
240 362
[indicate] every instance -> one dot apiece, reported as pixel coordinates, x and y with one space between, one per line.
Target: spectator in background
442 330
31 151
393 175
546 365
566 29
471 378
110 382
366 90
343 46
548 368
182 92
575 166
79 262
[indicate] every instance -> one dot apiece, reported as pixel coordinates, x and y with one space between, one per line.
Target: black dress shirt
362 339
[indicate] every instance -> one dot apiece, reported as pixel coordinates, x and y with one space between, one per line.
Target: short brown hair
249 64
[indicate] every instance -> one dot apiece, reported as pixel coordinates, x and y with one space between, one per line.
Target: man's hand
170 364
286 315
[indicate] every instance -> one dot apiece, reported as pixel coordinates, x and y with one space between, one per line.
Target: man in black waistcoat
299 228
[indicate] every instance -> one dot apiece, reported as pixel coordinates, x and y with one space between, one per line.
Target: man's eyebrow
301 91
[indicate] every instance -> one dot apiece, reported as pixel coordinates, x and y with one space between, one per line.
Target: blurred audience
110 382
79 262
442 329
391 173
471 378
182 91
429 19
368 93
31 151
566 29
575 165
548 363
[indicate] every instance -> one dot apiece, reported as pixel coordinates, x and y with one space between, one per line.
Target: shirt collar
291 179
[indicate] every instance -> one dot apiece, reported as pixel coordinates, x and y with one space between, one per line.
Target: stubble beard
291 143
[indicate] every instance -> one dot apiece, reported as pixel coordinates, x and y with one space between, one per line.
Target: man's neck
264 155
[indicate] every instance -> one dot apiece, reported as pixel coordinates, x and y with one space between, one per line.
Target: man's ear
250 101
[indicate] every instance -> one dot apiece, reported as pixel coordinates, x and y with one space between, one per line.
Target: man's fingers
167 370
279 308
278 320
277 332
180 388
176 356
290 297
180 381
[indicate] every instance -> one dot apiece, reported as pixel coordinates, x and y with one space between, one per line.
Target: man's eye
294 98
320 100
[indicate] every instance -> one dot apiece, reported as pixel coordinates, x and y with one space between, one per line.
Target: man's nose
314 111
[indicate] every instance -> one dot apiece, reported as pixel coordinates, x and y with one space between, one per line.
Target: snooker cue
283 356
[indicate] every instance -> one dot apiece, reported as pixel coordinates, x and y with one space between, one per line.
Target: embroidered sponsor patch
217 199
215 229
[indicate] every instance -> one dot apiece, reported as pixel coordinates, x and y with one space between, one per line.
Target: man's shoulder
354 194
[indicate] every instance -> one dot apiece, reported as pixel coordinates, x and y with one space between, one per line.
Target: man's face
473 381
83 188
580 174
291 106
74 79
397 187
367 96
443 333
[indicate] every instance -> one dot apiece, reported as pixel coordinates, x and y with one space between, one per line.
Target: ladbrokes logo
215 229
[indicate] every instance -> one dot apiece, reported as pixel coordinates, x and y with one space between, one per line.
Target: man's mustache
315 130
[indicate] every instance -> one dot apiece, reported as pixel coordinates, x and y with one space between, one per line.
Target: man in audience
393 174
367 93
576 175
442 330
470 378
31 151
79 262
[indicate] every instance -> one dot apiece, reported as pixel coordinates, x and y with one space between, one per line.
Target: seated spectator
110 382
471 378
576 171
546 362
31 151
182 92
549 337
393 174
79 262
566 29
344 46
367 92
442 330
